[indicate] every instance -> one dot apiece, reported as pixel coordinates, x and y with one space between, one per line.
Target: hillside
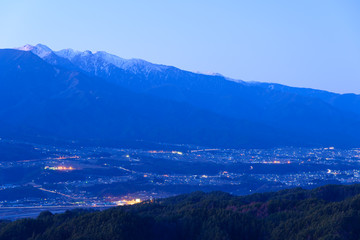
328 212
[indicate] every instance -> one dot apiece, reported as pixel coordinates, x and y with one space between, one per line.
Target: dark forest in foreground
328 212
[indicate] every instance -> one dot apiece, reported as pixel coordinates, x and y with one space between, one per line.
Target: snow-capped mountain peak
93 62
68 53
110 58
40 49
26 47
101 60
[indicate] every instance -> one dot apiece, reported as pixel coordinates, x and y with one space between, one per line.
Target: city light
128 202
60 168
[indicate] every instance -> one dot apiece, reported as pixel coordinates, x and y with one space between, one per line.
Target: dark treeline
329 212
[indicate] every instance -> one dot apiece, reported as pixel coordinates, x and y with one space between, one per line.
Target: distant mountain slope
309 117
329 212
42 100
349 102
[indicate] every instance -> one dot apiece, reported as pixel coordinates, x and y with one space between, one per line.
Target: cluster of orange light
60 168
64 168
128 202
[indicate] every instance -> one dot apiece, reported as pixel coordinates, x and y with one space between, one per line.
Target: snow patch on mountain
102 61
68 53
26 47
40 50
99 63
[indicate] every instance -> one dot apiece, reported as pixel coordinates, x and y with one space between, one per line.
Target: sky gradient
305 43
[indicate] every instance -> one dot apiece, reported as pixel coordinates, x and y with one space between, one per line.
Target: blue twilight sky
305 43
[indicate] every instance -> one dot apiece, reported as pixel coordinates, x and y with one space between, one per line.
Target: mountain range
99 97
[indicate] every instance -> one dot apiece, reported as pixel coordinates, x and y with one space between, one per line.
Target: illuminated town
94 177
